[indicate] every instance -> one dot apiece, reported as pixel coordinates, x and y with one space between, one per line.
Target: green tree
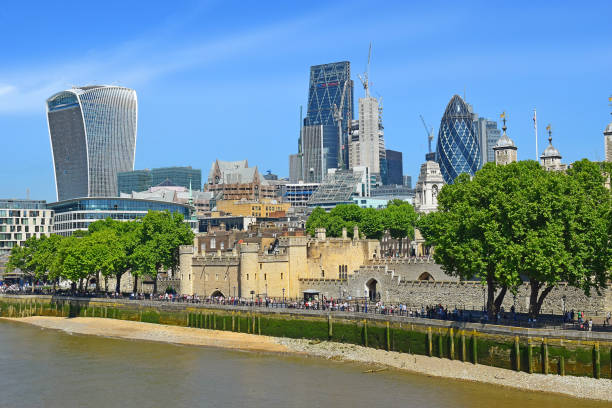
372 224
399 218
520 221
350 214
43 258
317 219
127 236
159 238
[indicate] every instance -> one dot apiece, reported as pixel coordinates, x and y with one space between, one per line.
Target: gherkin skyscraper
457 150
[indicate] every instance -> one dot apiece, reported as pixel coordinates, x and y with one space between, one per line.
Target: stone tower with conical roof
505 149
551 158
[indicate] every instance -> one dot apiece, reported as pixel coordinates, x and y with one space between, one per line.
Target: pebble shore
581 387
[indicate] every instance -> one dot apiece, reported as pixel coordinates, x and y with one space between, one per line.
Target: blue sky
226 79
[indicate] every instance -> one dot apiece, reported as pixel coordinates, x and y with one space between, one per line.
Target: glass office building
77 214
327 84
137 180
458 150
93 137
179 176
142 180
395 167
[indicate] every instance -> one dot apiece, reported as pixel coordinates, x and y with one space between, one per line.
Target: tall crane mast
366 75
338 118
429 131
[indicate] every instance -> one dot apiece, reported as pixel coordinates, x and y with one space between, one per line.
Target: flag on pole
535 119
548 127
503 115
610 99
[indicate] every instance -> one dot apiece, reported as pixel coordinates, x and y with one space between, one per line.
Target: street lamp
283 297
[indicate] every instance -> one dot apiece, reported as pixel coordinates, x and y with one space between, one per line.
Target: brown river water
48 368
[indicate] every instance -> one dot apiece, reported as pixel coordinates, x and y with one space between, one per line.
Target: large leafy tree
519 221
159 238
399 218
317 219
122 259
372 223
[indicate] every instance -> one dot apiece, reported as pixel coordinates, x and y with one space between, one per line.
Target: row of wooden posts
516 351
214 322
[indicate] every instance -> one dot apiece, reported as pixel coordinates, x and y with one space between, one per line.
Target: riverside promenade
356 311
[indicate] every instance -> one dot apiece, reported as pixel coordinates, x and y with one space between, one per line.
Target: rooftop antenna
535 128
366 75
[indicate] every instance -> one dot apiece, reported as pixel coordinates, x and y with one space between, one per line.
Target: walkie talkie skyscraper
93 137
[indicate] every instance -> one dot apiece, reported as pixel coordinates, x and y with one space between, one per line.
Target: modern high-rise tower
330 100
458 150
93 137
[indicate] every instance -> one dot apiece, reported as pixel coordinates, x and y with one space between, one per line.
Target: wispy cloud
134 63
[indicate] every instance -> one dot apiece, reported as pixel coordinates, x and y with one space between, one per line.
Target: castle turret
505 149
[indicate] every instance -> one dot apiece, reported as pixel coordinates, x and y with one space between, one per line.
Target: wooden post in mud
474 347
451 349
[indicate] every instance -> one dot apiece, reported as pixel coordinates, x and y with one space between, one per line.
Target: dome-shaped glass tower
457 150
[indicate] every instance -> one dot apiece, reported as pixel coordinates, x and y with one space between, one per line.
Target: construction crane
366 75
429 131
338 118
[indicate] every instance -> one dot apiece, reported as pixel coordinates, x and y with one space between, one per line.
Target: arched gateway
217 293
370 288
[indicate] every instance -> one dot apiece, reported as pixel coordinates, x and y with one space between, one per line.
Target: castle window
281 275
213 243
247 276
265 276
322 273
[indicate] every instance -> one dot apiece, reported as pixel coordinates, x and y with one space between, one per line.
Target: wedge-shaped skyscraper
93 137
458 150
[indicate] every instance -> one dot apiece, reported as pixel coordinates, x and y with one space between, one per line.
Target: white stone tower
505 149
551 158
428 186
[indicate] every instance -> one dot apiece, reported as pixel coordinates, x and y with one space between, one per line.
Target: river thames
41 367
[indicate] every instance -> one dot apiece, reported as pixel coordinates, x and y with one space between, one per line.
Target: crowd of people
572 319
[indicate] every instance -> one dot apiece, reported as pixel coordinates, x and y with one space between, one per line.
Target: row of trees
108 248
515 223
399 218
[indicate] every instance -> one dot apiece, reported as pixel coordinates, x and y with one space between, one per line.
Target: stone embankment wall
395 288
529 350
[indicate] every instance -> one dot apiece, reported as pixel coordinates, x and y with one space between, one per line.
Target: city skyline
198 101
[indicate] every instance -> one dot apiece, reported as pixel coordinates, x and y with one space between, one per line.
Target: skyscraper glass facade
394 167
141 180
137 180
179 176
458 150
327 84
93 137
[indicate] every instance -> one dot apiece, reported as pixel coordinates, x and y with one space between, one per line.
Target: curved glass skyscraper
457 150
93 137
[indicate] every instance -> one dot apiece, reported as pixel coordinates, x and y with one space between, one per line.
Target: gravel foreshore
581 387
